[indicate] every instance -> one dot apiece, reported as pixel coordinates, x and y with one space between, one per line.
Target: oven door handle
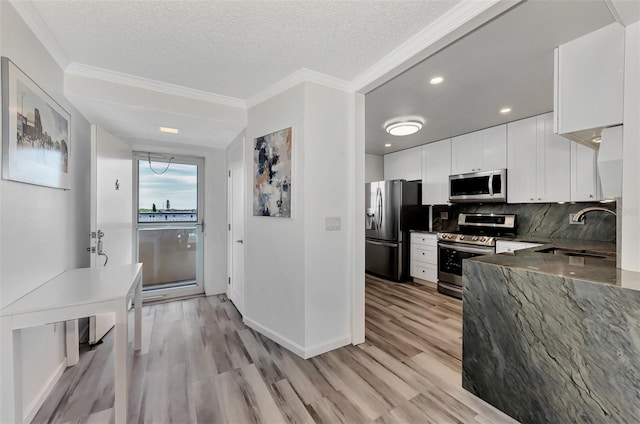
467 249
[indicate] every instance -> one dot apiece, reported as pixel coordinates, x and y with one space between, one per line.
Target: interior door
236 228
111 217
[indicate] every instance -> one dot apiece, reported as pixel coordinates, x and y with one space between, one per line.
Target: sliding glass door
169 224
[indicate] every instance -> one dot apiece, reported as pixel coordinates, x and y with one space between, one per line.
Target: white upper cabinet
539 162
584 174
483 150
403 165
436 168
588 90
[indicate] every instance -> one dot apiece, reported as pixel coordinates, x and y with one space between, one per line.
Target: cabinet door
554 163
589 80
436 168
403 165
522 161
494 148
466 153
584 175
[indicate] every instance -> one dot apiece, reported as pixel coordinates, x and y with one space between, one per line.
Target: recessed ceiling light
387 145
436 80
169 130
505 110
403 126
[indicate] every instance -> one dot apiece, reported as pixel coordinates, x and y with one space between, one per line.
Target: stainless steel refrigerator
390 211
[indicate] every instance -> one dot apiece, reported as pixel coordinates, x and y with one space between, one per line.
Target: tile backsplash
546 220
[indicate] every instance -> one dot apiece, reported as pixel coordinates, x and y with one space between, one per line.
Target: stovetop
481 240
481 229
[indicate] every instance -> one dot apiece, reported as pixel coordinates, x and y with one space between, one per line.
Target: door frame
173 292
230 217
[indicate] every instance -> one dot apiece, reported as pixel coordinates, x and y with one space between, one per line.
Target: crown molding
297 77
36 24
102 74
408 53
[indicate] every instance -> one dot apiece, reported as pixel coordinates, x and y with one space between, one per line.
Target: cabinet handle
531 198
591 196
539 198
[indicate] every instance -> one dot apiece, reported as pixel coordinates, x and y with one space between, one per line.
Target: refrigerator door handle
379 207
382 243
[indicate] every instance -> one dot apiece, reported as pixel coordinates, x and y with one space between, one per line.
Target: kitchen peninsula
552 333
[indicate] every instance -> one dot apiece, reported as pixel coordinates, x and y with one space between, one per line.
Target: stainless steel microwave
481 187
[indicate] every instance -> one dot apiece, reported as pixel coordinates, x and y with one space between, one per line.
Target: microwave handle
491 185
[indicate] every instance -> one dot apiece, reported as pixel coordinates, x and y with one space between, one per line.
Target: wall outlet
444 215
574 223
332 223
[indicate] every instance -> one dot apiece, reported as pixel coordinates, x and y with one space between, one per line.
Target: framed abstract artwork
272 174
35 132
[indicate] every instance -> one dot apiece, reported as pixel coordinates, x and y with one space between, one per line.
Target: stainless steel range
477 236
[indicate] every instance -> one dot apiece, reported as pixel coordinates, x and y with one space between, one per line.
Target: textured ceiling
234 48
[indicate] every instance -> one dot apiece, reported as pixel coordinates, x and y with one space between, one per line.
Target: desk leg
10 372
138 315
120 361
73 344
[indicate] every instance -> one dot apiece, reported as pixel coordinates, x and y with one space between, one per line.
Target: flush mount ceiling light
387 145
436 80
505 110
597 139
403 126
169 130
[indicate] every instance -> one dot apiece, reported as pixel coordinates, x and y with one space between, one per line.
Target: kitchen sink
577 253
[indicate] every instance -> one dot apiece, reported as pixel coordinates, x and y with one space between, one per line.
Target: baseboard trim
30 411
302 352
324 347
278 338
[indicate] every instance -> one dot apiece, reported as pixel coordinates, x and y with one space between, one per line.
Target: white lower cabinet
424 256
503 246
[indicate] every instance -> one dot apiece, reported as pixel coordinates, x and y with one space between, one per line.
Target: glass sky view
179 185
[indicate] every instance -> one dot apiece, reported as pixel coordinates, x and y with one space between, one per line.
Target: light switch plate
332 223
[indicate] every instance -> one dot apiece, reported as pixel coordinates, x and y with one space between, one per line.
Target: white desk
74 294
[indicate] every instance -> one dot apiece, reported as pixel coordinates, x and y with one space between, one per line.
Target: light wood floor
200 363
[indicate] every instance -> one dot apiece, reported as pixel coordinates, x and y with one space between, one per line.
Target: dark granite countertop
592 269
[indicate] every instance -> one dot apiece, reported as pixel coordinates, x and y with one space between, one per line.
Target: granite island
553 338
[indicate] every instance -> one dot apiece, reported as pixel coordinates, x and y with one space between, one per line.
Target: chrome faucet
579 216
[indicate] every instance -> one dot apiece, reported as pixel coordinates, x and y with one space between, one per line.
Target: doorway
169 222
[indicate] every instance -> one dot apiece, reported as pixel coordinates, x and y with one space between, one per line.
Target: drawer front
426 254
424 271
424 239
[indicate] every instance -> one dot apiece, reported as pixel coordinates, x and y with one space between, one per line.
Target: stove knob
474 238
461 237
483 239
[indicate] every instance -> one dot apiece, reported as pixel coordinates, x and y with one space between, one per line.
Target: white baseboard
30 411
323 347
302 352
281 340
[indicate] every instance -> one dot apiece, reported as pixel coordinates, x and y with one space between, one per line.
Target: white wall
327 265
215 215
274 247
43 231
631 150
373 168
